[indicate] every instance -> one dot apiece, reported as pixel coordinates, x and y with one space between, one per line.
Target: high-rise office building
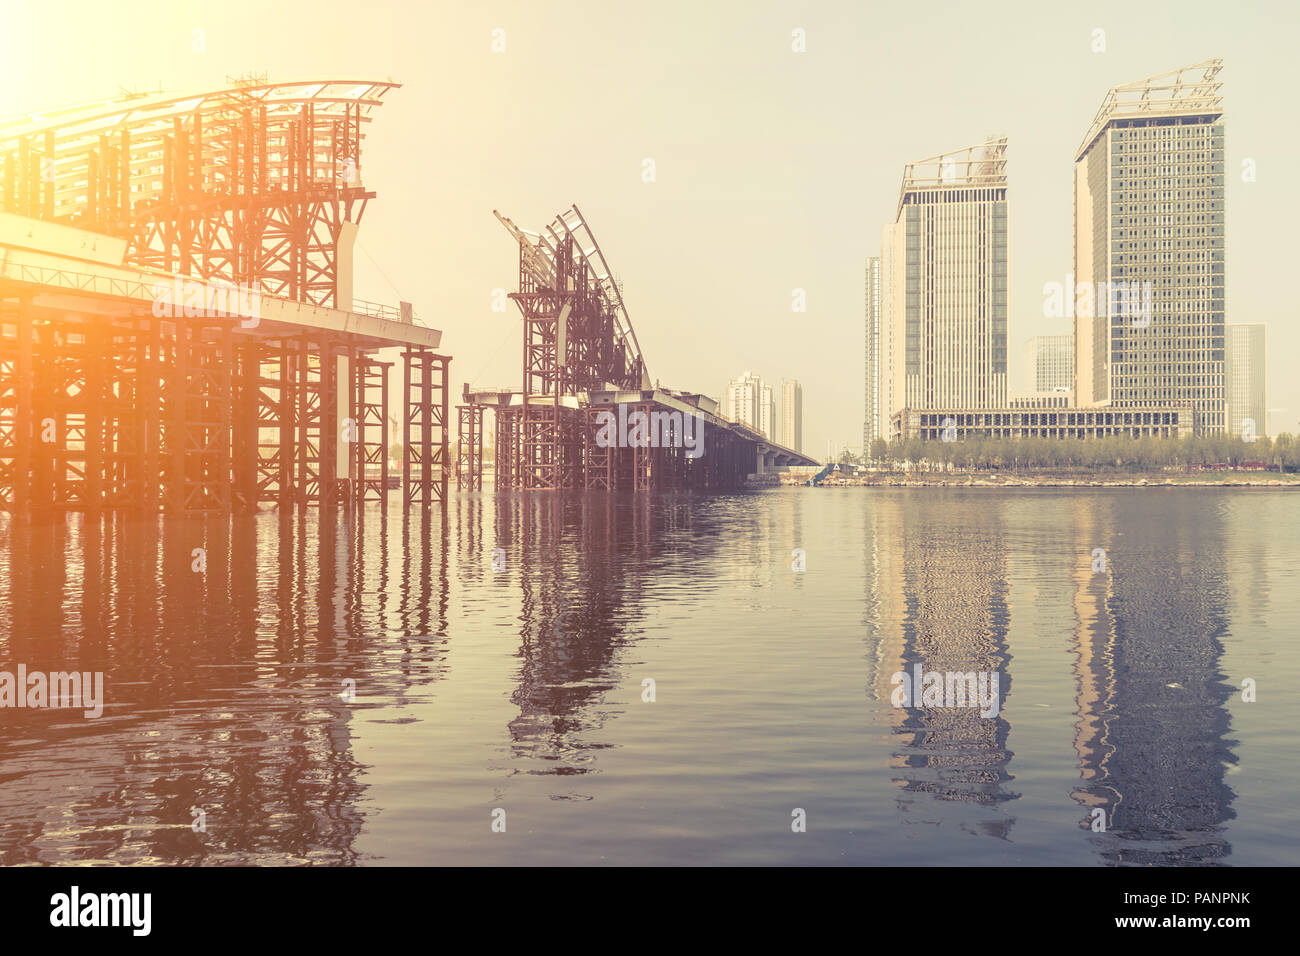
944 260
792 416
1049 363
1244 379
1149 247
872 425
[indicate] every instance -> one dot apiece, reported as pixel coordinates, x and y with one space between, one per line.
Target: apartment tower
792 415
751 402
767 421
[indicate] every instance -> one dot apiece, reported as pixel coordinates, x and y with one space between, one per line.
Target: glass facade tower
948 268
1149 248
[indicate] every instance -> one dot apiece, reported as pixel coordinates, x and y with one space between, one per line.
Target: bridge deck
82 273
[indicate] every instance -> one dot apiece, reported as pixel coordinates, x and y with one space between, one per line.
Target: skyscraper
792 415
1148 232
1244 379
947 271
872 426
1049 363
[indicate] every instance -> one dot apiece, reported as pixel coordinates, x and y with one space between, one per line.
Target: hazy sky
775 169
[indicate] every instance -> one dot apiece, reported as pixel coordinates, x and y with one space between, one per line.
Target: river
676 679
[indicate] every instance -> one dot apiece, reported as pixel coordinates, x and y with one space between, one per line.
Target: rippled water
522 689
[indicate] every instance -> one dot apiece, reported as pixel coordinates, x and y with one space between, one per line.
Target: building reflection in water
224 686
1150 700
1152 720
938 596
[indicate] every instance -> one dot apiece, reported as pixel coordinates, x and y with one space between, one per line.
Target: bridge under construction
583 371
178 330
127 380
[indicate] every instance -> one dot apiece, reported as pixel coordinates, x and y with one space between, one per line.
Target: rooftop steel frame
1186 91
983 164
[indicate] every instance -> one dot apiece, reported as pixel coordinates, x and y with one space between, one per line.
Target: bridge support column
17 417
329 423
598 458
245 462
370 406
643 456
277 413
506 447
307 396
199 419
469 448
425 426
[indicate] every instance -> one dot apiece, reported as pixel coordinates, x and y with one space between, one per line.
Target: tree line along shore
1215 460
1113 453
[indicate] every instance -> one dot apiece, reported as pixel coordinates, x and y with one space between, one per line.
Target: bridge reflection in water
226 684
498 652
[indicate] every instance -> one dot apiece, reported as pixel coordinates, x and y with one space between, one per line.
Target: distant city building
791 416
944 272
1244 379
750 401
885 351
874 423
1049 363
767 420
1149 248
741 404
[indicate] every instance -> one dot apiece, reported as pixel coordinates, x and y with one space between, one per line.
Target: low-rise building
1054 419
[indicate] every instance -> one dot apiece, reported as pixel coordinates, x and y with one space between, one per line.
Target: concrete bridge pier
773 458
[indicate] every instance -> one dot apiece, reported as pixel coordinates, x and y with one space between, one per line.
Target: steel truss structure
253 184
106 401
578 342
189 417
424 477
469 448
1187 90
577 338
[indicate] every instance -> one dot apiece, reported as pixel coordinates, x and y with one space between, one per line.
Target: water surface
522 689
